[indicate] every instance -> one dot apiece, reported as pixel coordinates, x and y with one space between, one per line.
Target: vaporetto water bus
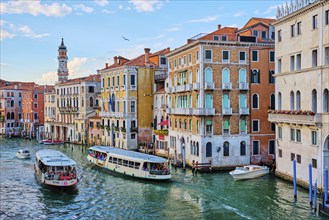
130 163
54 168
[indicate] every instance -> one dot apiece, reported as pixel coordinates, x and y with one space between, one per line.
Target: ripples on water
102 195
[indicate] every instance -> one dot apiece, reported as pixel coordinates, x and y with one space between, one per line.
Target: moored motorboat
130 163
52 142
54 168
249 172
23 154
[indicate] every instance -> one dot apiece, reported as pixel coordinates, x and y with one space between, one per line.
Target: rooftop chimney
106 65
147 56
115 60
219 27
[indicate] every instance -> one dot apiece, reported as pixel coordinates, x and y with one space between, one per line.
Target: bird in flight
125 38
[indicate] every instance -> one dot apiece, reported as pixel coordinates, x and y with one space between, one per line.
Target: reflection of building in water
302 85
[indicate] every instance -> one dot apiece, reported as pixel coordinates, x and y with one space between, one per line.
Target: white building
302 84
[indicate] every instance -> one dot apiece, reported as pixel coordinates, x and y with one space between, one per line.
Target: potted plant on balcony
123 129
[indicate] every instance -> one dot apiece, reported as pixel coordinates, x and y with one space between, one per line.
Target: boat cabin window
120 161
131 164
137 165
110 159
115 160
125 163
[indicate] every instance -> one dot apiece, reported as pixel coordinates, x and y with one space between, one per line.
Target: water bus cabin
130 163
54 168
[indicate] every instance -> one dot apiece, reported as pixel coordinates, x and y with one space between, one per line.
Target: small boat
54 168
23 154
249 172
52 142
130 163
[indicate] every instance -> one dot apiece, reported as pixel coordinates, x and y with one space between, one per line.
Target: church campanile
62 71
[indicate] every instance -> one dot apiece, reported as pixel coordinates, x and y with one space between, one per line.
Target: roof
52 157
161 52
90 78
253 21
129 154
160 91
138 61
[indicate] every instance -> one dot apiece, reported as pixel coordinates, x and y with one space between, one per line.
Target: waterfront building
75 101
302 84
33 110
11 105
209 103
127 93
95 128
49 112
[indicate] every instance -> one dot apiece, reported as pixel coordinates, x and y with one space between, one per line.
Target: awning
164 123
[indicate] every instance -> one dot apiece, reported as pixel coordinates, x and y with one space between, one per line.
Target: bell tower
62 71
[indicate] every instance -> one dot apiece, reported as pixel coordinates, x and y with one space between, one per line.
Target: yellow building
127 93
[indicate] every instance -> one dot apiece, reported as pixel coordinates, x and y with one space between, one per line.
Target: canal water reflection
109 196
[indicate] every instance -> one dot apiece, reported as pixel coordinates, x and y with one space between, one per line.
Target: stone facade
302 84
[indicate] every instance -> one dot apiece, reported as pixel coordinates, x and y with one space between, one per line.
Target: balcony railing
180 88
168 89
302 119
226 86
243 86
196 86
203 111
134 129
227 111
209 85
244 111
188 87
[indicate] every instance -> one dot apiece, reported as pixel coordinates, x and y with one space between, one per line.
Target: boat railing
160 172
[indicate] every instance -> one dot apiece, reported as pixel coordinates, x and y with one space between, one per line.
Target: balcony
203 111
244 111
302 119
226 132
180 88
133 129
243 86
208 85
179 111
188 87
196 86
36 120
226 86
168 89
227 111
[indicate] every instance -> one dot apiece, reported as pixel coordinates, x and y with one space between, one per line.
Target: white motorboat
54 168
249 172
23 154
130 163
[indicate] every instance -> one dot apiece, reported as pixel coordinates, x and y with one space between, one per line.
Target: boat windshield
60 173
156 168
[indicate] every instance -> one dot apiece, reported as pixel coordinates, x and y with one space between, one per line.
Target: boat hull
23 156
240 175
50 142
126 170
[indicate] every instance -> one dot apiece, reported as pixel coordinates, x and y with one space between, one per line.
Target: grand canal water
102 195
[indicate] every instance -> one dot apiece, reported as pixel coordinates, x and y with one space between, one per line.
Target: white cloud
48 78
5 34
239 14
81 7
2 22
270 9
146 6
204 20
108 12
76 68
101 2
173 29
120 6
35 8
27 32
233 25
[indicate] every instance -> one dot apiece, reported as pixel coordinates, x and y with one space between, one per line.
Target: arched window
314 101
156 102
292 100
190 77
8 115
255 103
226 101
242 76
226 75
279 101
271 77
272 101
113 103
326 100
197 76
191 148
209 150
243 148
12 115
255 76
91 102
190 125
197 101
197 125
298 100
175 80
243 101
12 103
226 147
190 101
197 148
169 101
209 101
226 126
208 76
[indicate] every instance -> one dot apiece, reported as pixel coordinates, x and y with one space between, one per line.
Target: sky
93 31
